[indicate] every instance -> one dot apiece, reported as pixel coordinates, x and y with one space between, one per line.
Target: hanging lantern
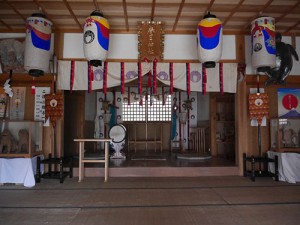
209 36
96 38
263 43
37 45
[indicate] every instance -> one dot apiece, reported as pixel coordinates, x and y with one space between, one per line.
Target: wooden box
285 135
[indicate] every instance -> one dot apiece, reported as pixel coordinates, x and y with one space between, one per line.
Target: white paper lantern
263 43
96 38
37 45
209 36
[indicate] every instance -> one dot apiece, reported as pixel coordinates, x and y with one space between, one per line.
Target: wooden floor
156 164
215 200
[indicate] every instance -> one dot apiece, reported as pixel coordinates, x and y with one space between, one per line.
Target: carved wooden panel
151 40
259 106
54 106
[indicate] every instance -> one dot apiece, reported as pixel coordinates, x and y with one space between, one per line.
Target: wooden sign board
151 40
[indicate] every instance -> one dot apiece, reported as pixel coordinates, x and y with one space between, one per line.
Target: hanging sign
259 106
54 105
151 40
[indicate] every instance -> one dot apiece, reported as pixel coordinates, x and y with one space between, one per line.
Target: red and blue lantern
37 45
209 36
96 38
263 43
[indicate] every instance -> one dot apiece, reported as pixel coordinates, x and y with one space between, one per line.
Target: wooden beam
291 9
233 11
4 24
292 27
259 12
72 14
153 9
96 5
209 6
125 15
178 15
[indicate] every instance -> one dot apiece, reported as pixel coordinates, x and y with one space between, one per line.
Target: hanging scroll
151 40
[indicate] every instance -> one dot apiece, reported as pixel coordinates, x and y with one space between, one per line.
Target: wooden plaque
151 40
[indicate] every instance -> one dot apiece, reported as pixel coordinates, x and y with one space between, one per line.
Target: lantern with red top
209 37
96 38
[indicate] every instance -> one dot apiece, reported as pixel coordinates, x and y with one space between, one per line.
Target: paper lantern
263 43
37 45
209 36
96 38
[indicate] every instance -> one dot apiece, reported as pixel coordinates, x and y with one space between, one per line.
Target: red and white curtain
74 75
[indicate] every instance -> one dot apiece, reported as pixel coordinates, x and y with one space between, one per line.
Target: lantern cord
258 126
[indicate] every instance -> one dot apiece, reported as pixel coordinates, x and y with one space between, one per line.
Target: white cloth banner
18 171
288 166
131 73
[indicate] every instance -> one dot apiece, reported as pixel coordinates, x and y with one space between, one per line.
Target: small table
61 174
83 160
262 172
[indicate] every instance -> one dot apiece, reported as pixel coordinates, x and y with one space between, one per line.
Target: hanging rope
122 78
72 75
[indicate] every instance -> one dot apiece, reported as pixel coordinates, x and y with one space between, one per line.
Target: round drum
117 133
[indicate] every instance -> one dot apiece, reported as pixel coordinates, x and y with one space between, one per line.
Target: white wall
125 46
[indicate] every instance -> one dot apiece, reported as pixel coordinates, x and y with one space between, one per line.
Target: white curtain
163 75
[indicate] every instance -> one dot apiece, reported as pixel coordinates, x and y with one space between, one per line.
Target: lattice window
150 110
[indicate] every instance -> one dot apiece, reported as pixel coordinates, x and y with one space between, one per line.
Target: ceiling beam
15 10
6 25
178 15
260 11
209 6
233 12
72 13
125 15
292 27
291 9
96 5
153 9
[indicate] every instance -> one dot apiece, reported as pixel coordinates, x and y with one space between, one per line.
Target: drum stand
118 147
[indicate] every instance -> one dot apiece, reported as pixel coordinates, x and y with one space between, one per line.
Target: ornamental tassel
221 78
188 79
154 75
163 95
204 79
171 78
72 75
140 78
33 87
149 82
90 77
105 78
128 96
122 78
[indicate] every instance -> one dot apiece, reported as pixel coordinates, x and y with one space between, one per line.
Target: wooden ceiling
180 16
